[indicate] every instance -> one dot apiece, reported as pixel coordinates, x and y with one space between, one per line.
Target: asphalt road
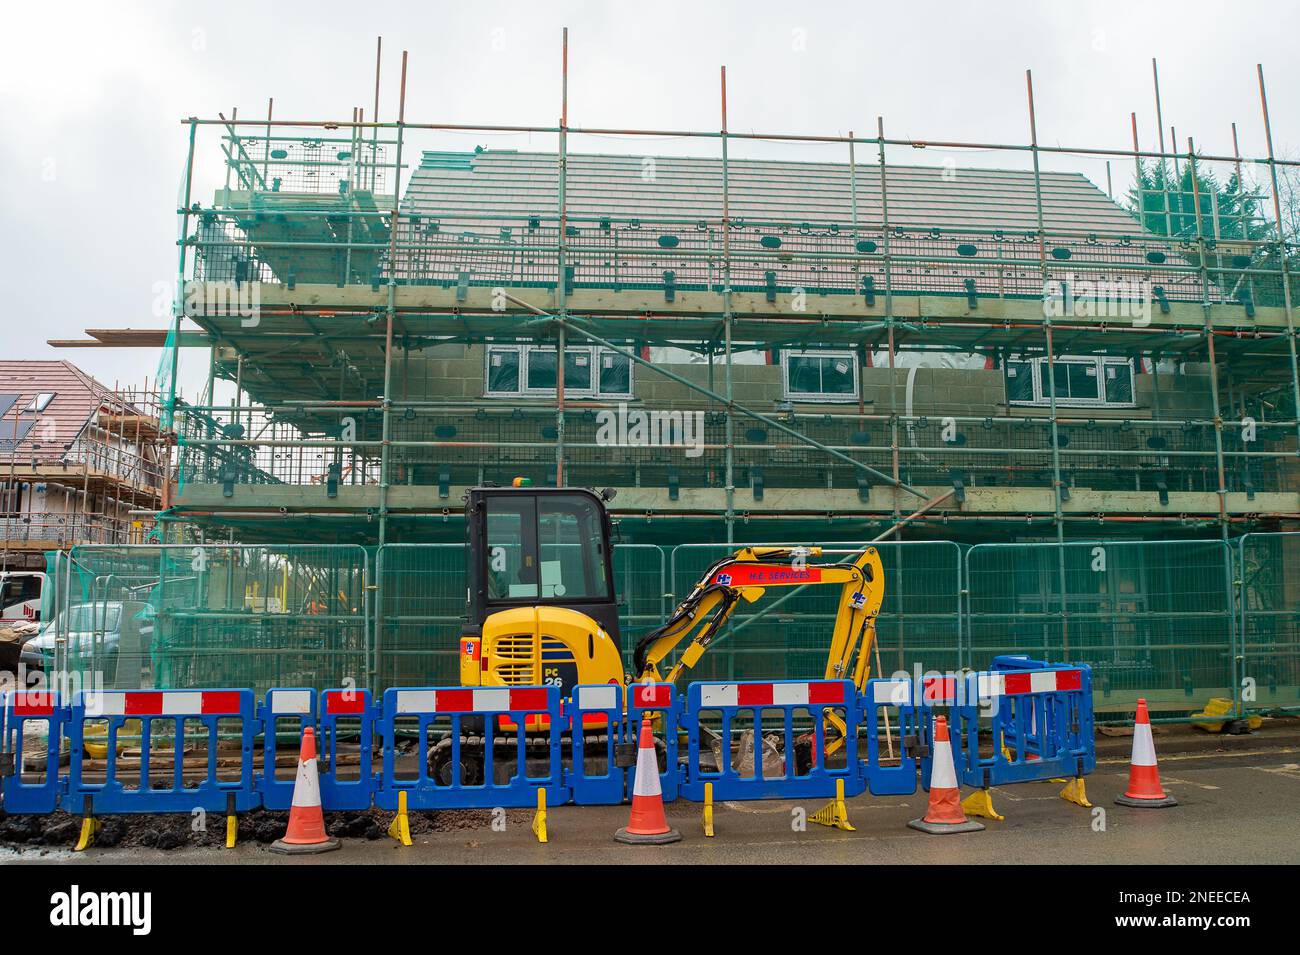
1239 807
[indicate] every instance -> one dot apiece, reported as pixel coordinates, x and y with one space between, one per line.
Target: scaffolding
353 318
99 484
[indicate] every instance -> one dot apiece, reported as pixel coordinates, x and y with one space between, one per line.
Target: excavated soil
60 829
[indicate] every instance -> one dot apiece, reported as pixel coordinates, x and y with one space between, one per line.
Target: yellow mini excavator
541 606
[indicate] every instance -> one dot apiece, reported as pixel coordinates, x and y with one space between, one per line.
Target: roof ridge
488 153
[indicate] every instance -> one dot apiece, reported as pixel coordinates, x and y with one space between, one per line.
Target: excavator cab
541 608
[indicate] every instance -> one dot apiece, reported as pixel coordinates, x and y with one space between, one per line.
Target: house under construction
80 463
1076 422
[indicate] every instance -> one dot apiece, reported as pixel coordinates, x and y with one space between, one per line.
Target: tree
1165 202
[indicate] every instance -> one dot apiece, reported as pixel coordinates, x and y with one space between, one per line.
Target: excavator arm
746 575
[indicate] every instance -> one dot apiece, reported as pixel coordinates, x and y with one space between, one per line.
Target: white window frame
1100 363
41 401
594 355
818 397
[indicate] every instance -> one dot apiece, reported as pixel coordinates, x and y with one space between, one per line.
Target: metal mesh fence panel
787 634
420 610
1152 618
217 615
1270 619
641 584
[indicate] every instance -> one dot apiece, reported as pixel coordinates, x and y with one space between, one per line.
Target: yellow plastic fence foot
980 803
708 810
232 821
834 814
1006 753
1076 793
90 827
539 817
401 827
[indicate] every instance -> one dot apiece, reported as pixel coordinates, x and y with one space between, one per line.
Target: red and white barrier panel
1039 681
345 702
891 692
651 695
939 689
494 700
290 702
596 698
40 703
162 702
772 694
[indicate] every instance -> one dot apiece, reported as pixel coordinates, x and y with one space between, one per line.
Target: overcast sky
91 96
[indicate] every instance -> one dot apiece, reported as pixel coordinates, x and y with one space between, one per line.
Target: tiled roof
46 435
516 185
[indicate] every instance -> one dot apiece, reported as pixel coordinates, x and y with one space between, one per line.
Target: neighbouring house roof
48 434
513 185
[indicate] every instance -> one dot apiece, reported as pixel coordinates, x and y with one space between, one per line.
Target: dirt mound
168 832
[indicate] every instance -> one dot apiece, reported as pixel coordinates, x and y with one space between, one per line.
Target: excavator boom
746 575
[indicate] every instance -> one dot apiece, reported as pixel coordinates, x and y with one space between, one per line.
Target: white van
20 595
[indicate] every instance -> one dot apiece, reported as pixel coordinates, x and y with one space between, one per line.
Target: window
1078 382
549 546
577 370
530 370
820 375
511 548
19 588
503 371
41 401
13 432
572 558
615 373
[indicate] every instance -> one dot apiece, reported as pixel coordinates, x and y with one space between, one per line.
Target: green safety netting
1154 619
165 376
1178 622
1270 620
216 615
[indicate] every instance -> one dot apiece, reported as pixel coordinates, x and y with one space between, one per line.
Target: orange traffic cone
945 813
306 821
648 826
1144 790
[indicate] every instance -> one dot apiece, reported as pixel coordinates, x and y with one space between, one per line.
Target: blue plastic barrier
595 710
296 706
27 795
810 700
1020 721
661 704
130 790
354 707
1040 721
503 713
894 729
